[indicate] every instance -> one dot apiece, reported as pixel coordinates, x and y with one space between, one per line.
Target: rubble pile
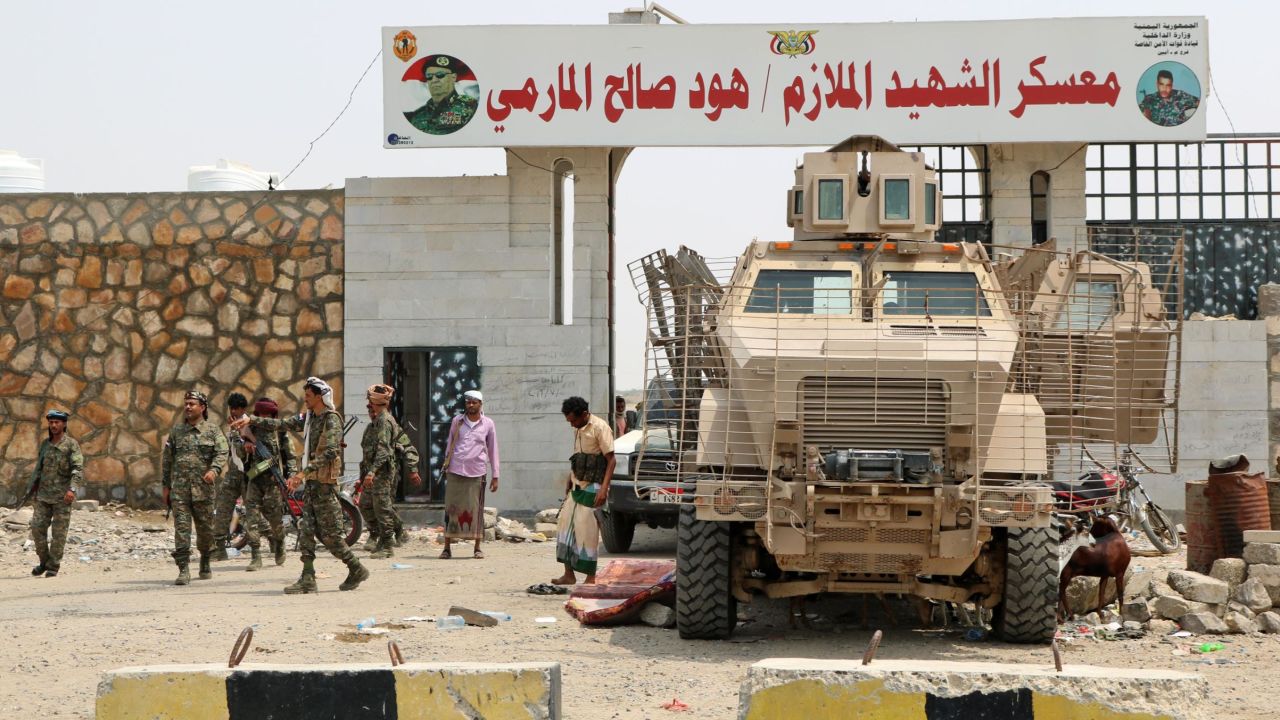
1239 595
110 533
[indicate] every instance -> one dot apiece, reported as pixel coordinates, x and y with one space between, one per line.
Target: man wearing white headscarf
321 428
473 445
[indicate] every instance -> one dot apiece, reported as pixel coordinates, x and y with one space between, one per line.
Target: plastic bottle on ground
499 616
450 622
366 623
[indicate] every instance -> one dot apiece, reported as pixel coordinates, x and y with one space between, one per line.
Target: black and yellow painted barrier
413 691
780 689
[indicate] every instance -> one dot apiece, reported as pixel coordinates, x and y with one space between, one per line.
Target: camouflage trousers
377 506
229 487
263 510
322 520
185 512
44 514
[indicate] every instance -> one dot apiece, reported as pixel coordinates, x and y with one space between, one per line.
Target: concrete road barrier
413 691
933 690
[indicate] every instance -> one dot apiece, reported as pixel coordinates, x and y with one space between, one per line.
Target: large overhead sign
1081 79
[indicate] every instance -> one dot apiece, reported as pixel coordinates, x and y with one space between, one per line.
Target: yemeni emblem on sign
793 43
405 45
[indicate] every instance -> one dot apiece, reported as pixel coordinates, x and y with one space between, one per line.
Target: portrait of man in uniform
454 96
1168 106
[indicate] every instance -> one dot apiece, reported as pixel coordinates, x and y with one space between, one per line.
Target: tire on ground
617 531
705 606
1028 613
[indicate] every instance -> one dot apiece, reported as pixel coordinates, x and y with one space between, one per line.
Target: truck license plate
663 495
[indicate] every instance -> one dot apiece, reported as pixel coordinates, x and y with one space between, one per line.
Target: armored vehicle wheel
1028 613
617 531
705 606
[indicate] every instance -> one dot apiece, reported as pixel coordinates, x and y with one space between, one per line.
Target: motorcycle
1117 493
348 500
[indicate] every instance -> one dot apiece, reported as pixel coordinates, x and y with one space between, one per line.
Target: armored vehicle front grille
874 414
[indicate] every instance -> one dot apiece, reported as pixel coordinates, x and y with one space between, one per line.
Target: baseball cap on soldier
443 62
57 415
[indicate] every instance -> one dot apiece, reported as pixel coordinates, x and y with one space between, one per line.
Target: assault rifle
34 486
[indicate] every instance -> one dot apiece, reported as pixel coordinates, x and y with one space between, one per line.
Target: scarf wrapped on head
380 394
326 395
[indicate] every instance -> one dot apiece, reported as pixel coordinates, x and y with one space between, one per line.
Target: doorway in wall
429 383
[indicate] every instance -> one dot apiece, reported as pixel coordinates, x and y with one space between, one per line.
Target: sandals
547 589
479 555
446 554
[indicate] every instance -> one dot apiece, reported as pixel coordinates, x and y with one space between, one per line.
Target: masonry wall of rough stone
113 305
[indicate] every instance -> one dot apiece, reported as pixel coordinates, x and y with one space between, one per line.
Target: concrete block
805 688
1239 623
1170 607
1203 623
1200 588
412 690
1262 536
1253 595
1230 571
86 505
1268 622
1256 553
1269 576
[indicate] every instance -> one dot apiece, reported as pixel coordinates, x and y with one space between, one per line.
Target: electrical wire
311 146
1248 178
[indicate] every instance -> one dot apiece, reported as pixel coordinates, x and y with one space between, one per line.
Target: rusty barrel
1203 544
1273 496
1238 502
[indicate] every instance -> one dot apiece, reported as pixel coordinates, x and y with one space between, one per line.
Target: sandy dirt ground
119 608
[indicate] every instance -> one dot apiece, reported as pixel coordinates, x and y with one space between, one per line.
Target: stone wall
113 305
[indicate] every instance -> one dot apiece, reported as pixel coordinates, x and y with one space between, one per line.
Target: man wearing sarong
473 445
590 471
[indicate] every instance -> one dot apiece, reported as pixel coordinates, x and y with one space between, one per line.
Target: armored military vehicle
867 409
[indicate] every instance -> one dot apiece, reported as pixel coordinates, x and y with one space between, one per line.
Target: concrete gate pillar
1011 166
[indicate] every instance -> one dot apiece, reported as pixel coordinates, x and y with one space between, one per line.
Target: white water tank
229 176
19 174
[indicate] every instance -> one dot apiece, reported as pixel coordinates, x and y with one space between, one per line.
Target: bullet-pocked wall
114 305
469 262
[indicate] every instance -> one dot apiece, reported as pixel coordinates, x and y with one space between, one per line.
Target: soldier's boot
205 571
51 572
256 562
277 548
372 543
402 536
306 582
384 549
356 574
219 548
184 574
38 570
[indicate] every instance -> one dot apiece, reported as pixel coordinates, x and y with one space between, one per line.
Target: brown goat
1108 557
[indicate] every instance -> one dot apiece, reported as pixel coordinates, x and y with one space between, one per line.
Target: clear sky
126 96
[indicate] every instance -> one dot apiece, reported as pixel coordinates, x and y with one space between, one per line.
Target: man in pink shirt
473 445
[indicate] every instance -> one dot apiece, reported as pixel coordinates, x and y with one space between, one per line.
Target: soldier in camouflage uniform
230 487
195 454
447 111
58 473
1168 107
263 495
377 470
405 457
321 427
